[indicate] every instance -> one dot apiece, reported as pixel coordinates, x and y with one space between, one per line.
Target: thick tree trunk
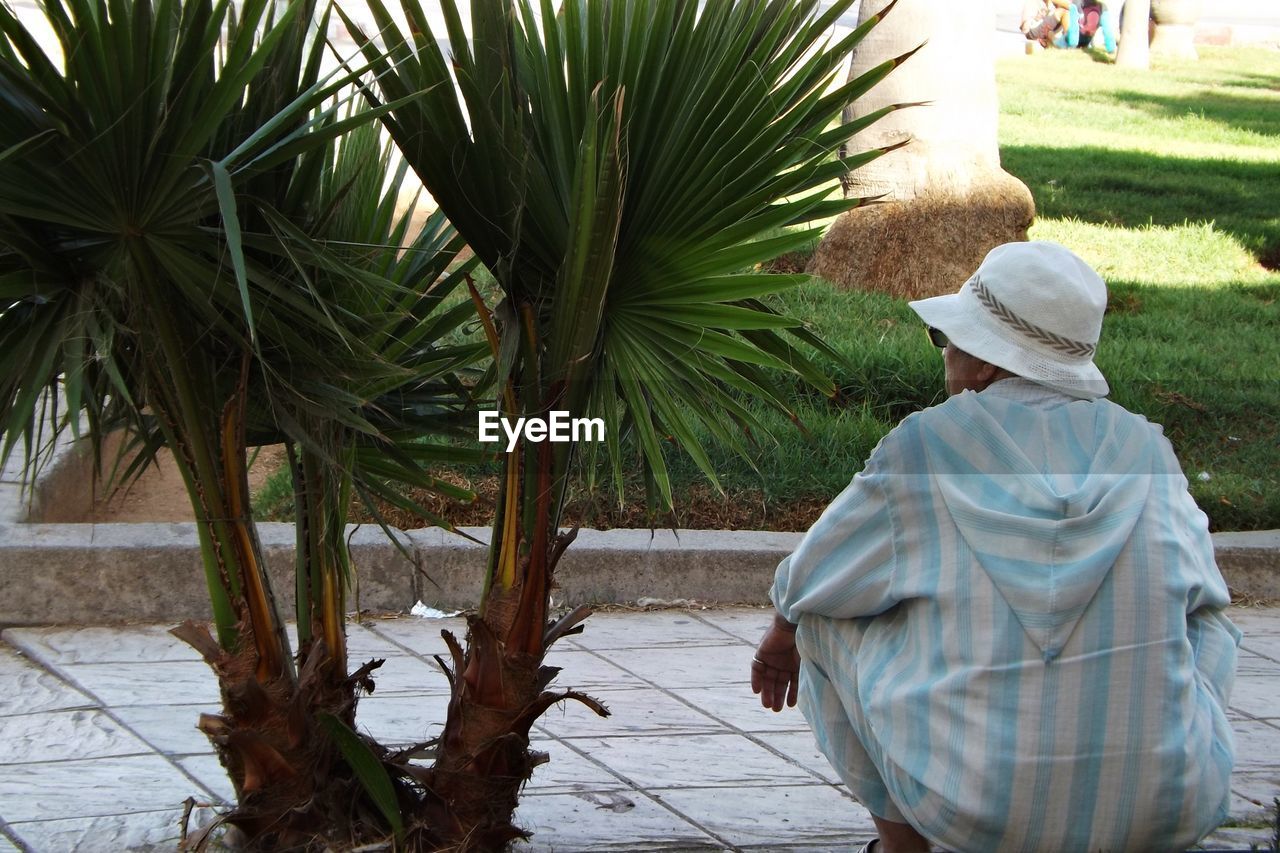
945 200
1134 49
294 789
483 757
499 684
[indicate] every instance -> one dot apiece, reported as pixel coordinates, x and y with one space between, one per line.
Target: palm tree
619 167
183 252
945 200
371 423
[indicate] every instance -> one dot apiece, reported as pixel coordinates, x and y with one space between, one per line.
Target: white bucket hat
1034 309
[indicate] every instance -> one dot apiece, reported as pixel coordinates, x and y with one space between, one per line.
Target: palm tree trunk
293 788
946 201
499 684
288 776
1135 50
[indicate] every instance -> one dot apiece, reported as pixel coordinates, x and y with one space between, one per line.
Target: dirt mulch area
160 495
700 508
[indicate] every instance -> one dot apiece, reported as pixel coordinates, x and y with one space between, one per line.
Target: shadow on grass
1132 189
1240 112
1099 55
1252 80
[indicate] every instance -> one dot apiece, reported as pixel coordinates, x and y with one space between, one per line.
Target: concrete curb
1250 562
105 573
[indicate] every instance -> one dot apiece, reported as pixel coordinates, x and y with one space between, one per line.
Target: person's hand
775 669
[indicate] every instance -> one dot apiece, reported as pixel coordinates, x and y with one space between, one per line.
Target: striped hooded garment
1012 630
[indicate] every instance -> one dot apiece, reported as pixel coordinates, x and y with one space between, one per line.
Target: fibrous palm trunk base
927 246
294 790
483 755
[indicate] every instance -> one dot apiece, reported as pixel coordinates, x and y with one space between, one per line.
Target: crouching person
1008 632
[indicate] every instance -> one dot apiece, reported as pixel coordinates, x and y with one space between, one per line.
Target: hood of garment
1046 494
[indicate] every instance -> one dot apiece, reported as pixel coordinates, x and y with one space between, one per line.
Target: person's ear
986 371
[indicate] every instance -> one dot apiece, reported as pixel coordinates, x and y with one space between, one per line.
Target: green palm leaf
186 251
622 162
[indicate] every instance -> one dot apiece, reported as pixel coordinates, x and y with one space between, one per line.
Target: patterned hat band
1067 346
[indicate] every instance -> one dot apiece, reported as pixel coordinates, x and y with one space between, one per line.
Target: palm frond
616 165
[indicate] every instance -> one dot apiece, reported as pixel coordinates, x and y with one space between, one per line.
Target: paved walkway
95 755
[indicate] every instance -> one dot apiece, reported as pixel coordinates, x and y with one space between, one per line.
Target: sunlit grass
1185 143
1190 255
1221 106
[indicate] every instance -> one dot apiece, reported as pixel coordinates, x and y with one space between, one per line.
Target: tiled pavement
95 756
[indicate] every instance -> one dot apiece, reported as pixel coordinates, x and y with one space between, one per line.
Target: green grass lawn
1169 183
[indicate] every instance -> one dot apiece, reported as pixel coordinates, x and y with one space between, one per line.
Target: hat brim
961 318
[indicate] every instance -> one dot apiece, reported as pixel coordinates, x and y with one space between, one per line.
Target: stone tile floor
98 748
